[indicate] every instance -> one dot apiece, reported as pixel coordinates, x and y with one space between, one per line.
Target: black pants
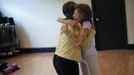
65 67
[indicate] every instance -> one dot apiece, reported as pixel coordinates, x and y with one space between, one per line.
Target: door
110 22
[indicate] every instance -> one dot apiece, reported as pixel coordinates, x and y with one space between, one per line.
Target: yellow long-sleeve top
66 49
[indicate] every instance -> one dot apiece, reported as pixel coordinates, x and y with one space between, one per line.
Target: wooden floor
111 62
116 62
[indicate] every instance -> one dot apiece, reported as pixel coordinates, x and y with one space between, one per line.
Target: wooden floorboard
111 62
116 62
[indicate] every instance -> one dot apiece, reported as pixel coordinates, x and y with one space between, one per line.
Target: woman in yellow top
88 64
67 55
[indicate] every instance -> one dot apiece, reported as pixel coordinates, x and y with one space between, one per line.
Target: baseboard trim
130 46
37 50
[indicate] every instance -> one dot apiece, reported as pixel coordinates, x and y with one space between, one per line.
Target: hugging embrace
76 41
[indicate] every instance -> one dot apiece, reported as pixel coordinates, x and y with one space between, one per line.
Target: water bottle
10 69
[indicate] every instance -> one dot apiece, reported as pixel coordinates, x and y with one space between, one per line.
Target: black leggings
65 67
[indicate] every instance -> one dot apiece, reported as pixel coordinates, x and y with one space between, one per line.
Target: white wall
35 20
130 20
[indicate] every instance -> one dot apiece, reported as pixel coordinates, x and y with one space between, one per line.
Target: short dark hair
68 9
85 11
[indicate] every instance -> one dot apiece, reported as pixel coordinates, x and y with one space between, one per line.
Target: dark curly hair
68 9
85 11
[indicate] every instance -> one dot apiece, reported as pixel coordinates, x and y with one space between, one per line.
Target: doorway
110 22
